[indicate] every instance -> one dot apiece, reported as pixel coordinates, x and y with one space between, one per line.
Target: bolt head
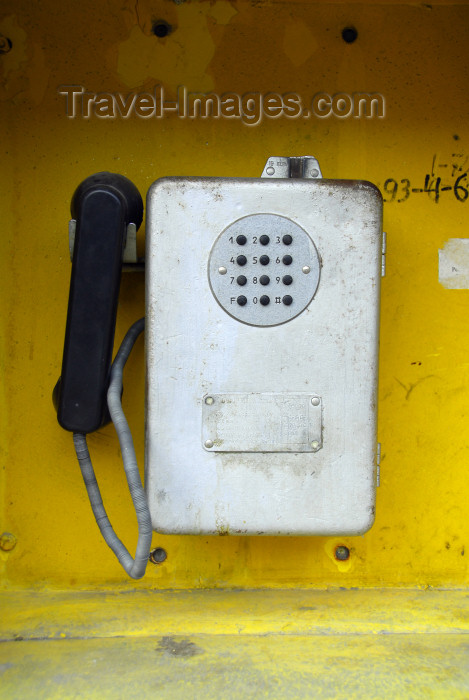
158 555
315 401
270 171
209 400
315 445
222 270
306 269
208 443
342 553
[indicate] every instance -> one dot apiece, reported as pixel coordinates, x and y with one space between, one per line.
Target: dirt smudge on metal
182 648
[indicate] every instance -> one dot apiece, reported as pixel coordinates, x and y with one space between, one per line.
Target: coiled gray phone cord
134 567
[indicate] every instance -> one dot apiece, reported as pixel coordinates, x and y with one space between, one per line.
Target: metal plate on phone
262 422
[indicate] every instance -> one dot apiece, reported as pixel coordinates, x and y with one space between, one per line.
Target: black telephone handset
88 393
103 206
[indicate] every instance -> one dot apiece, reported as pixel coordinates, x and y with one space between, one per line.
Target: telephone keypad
260 242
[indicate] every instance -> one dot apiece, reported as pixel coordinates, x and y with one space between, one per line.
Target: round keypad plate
264 269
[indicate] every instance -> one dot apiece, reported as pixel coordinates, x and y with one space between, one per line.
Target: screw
158 555
209 400
270 171
7 541
315 445
306 269
342 553
222 270
314 172
315 401
208 443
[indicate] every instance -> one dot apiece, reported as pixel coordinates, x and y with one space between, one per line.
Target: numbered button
241 280
265 300
241 260
264 260
242 301
265 279
241 240
287 239
287 259
287 300
264 240
287 279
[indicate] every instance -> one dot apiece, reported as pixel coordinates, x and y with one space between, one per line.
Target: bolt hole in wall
161 28
349 34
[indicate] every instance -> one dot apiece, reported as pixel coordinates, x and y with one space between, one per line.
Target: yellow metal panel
414 55
233 667
220 644
28 615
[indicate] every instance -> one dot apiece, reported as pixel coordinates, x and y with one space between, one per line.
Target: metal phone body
261 417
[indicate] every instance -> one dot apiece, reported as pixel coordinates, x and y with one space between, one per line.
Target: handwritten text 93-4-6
444 179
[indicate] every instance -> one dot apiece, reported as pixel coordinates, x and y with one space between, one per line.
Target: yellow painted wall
414 55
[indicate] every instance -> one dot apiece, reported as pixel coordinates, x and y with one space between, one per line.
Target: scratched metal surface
194 348
416 56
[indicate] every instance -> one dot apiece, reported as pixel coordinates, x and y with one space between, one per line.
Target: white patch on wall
453 264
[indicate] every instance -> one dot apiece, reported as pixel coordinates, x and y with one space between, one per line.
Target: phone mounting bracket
292 167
